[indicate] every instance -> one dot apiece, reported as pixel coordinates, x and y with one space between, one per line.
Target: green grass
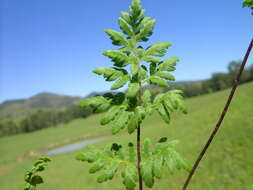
227 165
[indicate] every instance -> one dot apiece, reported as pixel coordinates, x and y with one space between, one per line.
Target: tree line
51 118
42 119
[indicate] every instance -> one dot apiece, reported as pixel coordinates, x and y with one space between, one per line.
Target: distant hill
23 107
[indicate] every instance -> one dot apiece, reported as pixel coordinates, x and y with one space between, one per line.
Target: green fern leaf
152 68
133 123
146 30
147 173
120 122
163 113
109 74
151 59
135 9
119 58
158 49
130 177
131 153
157 167
164 75
140 113
146 148
120 82
110 115
158 81
126 17
168 64
134 69
133 89
124 26
146 98
117 37
98 165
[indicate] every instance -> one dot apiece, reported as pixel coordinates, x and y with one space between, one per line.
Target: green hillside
23 107
228 164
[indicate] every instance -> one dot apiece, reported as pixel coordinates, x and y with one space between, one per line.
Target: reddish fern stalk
218 125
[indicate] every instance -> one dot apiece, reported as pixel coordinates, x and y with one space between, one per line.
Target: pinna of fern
113 158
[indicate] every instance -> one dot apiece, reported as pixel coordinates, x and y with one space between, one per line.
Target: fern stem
139 156
138 139
215 130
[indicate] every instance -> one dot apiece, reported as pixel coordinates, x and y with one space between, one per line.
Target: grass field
228 164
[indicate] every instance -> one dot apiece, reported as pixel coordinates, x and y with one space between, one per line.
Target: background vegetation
228 164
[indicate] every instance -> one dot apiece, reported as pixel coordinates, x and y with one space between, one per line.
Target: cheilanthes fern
32 179
135 66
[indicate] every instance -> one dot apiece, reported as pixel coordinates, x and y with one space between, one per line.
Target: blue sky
52 45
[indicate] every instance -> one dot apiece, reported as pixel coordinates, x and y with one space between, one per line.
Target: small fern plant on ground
32 179
135 66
